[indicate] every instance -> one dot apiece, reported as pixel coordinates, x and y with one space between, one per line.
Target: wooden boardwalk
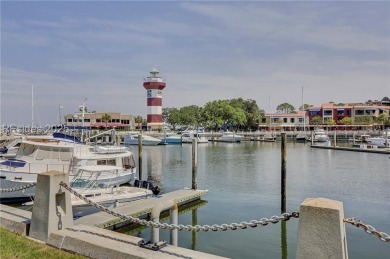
140 208
366 150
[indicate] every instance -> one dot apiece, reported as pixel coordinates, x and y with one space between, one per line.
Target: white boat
170 138
146 140
380 141
268 138
228 136
64 155
302 136
189 135
10 147
87 183
320 136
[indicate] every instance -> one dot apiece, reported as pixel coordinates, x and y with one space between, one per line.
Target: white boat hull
10 180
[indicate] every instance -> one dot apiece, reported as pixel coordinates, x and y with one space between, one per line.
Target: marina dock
139 209
355 149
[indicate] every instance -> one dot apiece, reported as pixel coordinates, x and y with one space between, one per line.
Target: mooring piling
140 157
283 173
194 163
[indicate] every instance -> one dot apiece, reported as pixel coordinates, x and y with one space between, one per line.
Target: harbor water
243 180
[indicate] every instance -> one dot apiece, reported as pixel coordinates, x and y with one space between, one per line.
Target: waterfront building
154 84
284 121
363 116
94 120
360 114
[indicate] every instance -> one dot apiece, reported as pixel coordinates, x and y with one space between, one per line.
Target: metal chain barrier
368 229
233 226
19 188
197 228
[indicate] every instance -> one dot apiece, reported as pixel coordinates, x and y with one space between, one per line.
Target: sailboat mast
32 106
304 114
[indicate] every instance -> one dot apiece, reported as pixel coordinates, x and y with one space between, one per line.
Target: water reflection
244 184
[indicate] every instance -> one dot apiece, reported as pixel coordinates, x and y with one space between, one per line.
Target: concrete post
155 217
52 208
321 230
174 216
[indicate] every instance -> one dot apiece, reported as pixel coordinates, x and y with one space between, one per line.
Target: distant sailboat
302 135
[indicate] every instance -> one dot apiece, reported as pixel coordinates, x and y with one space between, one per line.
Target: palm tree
138 120
106 118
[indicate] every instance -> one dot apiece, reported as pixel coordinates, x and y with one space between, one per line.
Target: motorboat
170 138
146 140
228 136
88 184
10 147
301 137
320 136
380 141
189 135
268 138
64 154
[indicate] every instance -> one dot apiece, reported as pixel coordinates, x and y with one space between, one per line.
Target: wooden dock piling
194 163
140 157
283 172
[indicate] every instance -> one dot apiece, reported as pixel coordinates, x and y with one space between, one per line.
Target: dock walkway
139 208
366 150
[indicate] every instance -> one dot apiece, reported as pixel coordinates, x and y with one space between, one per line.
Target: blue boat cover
14 162
68 137
3 150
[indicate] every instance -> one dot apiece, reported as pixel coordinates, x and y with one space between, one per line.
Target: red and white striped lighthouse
154 84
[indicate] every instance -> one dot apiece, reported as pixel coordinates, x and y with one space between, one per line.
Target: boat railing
34 167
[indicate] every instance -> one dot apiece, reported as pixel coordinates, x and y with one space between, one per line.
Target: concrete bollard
52 208
174 216
321 230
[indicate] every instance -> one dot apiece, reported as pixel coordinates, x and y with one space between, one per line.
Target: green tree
251 110
305 107
138 120
190 115
362 120
213 114
285 108
382 119
330 121
316 120
173 117
106 118
346 121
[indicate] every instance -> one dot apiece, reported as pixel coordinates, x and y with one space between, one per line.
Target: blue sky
206 50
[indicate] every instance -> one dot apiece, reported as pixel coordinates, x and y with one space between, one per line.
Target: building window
292 120
300 119
359 112
98 120
327 112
